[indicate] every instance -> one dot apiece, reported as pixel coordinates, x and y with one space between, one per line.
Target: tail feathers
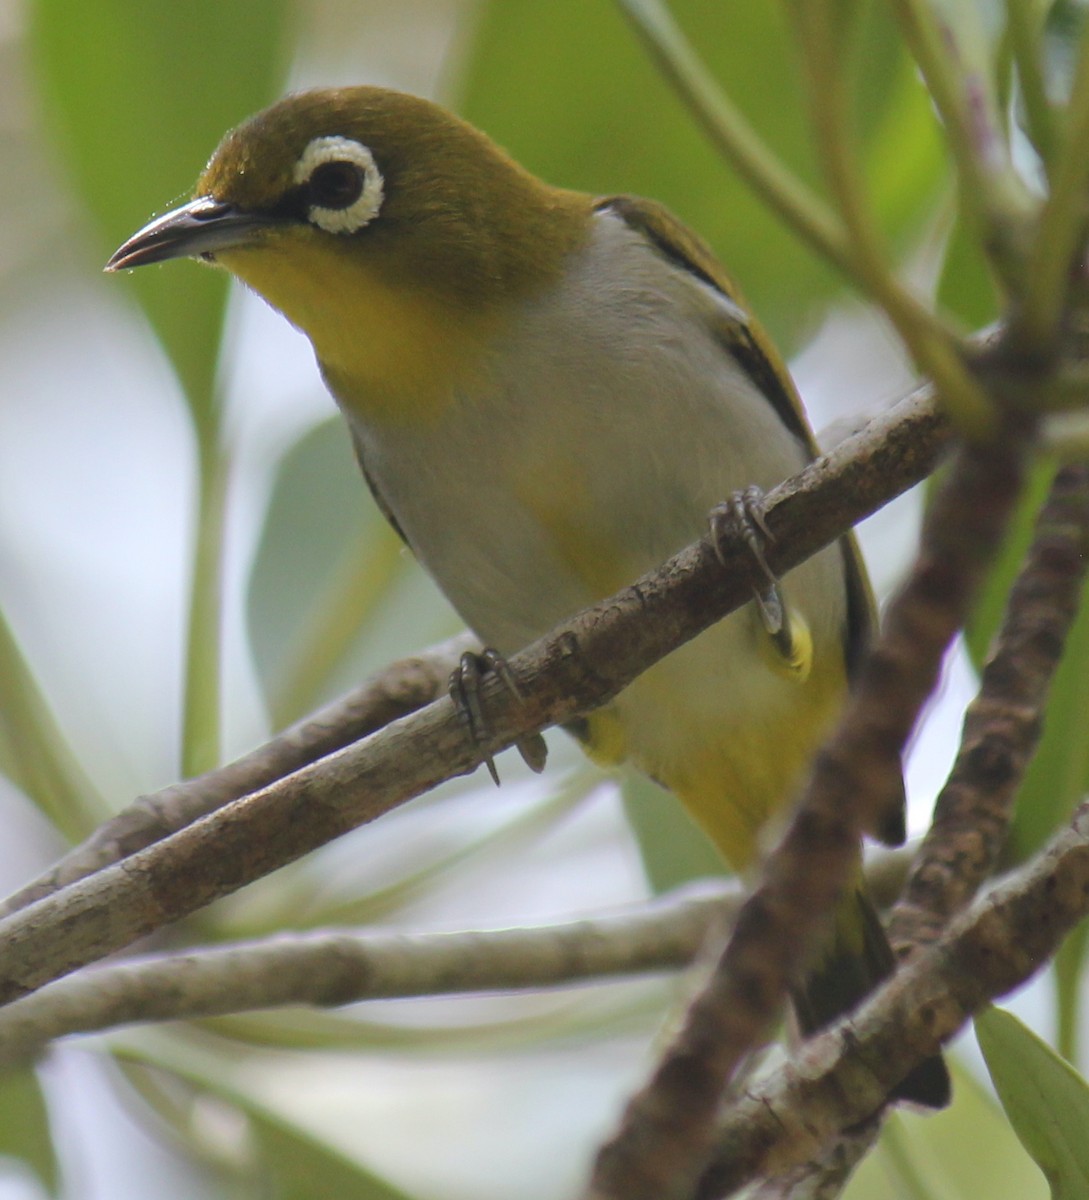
858 959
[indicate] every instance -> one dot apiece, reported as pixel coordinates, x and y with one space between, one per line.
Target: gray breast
610 414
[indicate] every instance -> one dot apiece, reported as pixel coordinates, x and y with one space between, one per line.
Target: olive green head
412 195
396 236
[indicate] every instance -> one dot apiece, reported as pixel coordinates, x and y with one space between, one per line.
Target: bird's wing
742 337
372 487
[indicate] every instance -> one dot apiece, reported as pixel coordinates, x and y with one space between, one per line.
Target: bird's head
378 222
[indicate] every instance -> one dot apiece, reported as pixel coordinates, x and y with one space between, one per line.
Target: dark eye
341 182
335 185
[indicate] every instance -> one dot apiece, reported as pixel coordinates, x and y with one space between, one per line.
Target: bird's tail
857 960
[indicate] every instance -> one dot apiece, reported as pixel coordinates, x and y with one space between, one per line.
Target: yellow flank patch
556 492
790 656
391 352
606 741
734 777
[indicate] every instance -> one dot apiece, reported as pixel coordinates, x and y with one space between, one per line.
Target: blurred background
188 562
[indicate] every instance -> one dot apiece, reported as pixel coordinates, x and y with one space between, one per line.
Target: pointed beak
195 230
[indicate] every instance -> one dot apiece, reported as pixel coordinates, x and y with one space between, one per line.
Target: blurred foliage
593 113
301 632
1046 1100
133 97
964 1153
674 849
184 1082
966 289
25 1131
138 96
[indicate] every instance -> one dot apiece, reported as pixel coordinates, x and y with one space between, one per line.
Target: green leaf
24 1126
326 563
965 1152
673 849
283 1161
1069 971
1058 775
967 289
299 1166
1046 1100
568 90
991 605
137 97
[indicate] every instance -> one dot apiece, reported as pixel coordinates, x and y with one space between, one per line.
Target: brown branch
846 1072
668 1130
1001 730
401 688
1002 725
341 966
585 662
825 1178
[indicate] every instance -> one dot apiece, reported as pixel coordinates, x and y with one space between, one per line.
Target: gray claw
744 516
465 685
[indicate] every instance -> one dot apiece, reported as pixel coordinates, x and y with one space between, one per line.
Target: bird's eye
336 184
342 182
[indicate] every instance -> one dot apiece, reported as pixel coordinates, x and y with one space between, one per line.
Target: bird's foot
465 691
744 516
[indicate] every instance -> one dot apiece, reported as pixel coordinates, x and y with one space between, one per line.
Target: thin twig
1002 725
399 689
801 209
341 966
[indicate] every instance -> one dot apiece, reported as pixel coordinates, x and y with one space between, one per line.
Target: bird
548 392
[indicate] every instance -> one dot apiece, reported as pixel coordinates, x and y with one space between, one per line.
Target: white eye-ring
343 184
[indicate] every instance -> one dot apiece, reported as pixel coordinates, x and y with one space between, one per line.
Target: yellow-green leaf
566 87
137 96
24 1126
1046 1100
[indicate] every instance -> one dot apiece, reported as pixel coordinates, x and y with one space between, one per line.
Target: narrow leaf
24 1126
137 97
592 112
1046 1100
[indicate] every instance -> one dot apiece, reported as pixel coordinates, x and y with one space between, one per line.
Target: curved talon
773 616
744 516
465 685
493 661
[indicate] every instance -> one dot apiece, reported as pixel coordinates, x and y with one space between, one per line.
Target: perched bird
548 393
